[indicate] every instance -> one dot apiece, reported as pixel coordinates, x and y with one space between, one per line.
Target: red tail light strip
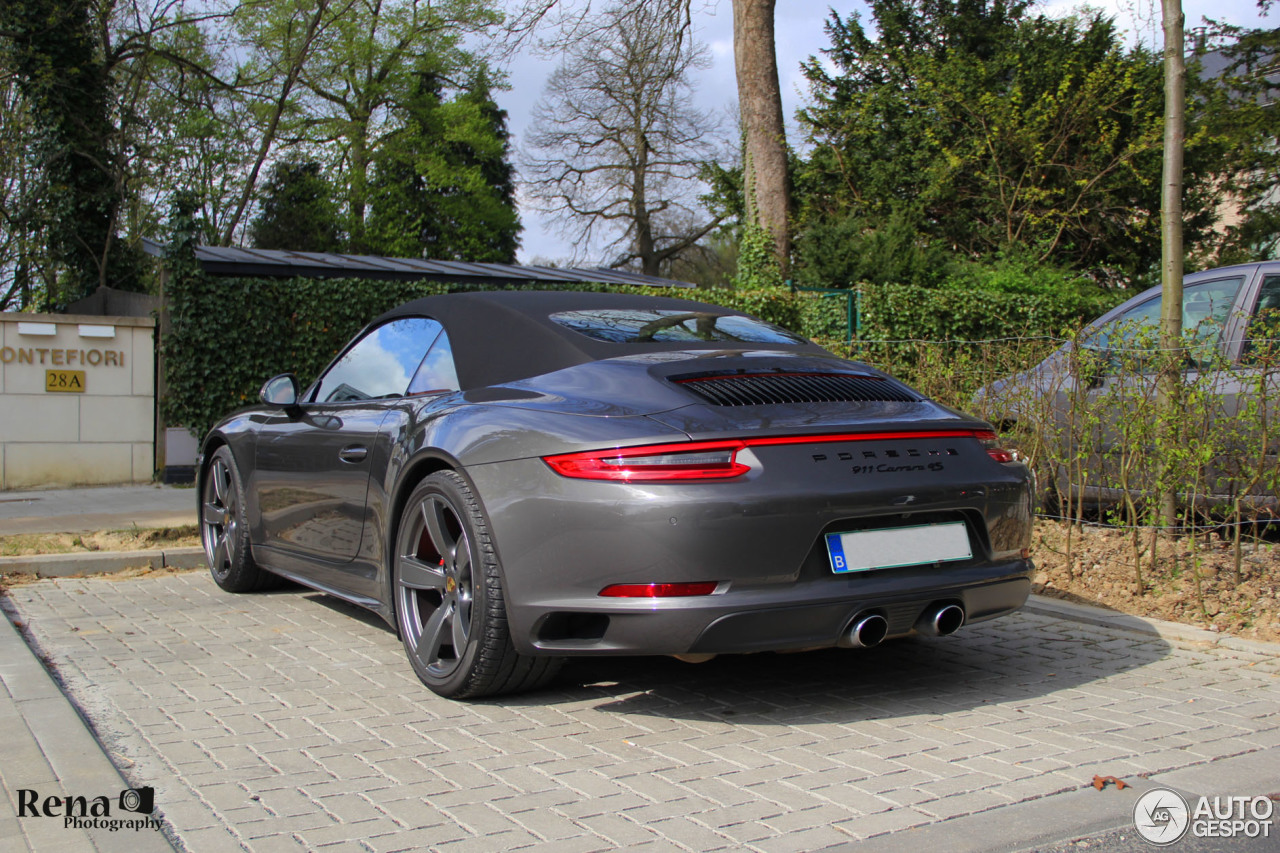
717 460
981 435
693 460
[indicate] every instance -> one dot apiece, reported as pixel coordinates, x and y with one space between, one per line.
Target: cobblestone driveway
291 721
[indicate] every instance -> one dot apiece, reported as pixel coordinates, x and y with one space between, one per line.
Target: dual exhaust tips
870 629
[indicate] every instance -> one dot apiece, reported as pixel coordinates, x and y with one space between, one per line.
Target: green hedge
228 336
907 313
949 343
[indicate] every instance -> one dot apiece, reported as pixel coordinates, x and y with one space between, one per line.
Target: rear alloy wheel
224 527
449 601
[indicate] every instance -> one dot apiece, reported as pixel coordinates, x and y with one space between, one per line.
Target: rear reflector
658 590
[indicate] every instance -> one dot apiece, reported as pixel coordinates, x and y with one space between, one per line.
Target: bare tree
759 93
616 142
284 41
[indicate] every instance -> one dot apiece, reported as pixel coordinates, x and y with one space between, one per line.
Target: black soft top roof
504 336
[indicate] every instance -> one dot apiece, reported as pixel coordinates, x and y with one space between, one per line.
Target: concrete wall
104 433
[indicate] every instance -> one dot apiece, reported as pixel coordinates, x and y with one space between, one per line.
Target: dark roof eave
274 263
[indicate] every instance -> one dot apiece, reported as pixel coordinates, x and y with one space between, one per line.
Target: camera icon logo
140 800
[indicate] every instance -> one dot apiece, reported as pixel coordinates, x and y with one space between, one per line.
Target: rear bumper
561 541
749 622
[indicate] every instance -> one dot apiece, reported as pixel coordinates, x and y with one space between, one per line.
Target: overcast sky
800 34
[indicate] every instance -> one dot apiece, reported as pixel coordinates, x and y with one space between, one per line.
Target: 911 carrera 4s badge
894 547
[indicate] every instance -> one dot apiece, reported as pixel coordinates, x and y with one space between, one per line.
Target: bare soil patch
139 539
1193 580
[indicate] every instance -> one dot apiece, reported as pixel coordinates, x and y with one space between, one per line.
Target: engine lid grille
763 389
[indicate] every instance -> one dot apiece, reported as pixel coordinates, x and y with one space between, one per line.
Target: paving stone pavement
291 721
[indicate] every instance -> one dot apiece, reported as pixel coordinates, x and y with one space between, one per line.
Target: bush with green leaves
757 260
894 317
869 250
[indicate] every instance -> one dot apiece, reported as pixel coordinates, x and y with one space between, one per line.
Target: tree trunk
644 247
1171 241
760 100
358 186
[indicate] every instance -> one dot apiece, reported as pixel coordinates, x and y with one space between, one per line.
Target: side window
1206 308
1115 346
436 374
380 364
1264 324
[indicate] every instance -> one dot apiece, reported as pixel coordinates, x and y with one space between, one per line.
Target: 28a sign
71 381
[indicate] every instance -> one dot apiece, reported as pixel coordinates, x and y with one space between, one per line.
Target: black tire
224 528
449 601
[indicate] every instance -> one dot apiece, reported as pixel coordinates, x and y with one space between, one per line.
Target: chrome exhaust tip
866 631
941 621
694 658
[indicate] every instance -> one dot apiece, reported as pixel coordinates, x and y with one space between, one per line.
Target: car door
314 462
1110 392
1251 420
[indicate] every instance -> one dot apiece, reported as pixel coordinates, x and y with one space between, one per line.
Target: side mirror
280 391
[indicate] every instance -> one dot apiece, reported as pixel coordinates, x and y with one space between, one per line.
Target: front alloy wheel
224 528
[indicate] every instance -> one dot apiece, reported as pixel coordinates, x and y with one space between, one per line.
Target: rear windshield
638 326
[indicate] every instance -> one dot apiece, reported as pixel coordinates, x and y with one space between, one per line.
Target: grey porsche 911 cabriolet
509 478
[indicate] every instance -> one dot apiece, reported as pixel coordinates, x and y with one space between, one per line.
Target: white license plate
864 550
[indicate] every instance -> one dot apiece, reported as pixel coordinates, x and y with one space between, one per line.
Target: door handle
353 453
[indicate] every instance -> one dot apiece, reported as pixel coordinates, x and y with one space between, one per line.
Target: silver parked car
1096 389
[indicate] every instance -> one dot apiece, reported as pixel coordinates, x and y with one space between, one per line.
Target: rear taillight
698 460
718 460
992 445
658 590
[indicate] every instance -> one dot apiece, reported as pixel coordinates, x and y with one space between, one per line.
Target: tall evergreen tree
65 80
442 185
297 211
991 130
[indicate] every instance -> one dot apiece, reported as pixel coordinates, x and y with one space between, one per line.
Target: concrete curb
101 562
49 747
1141 625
